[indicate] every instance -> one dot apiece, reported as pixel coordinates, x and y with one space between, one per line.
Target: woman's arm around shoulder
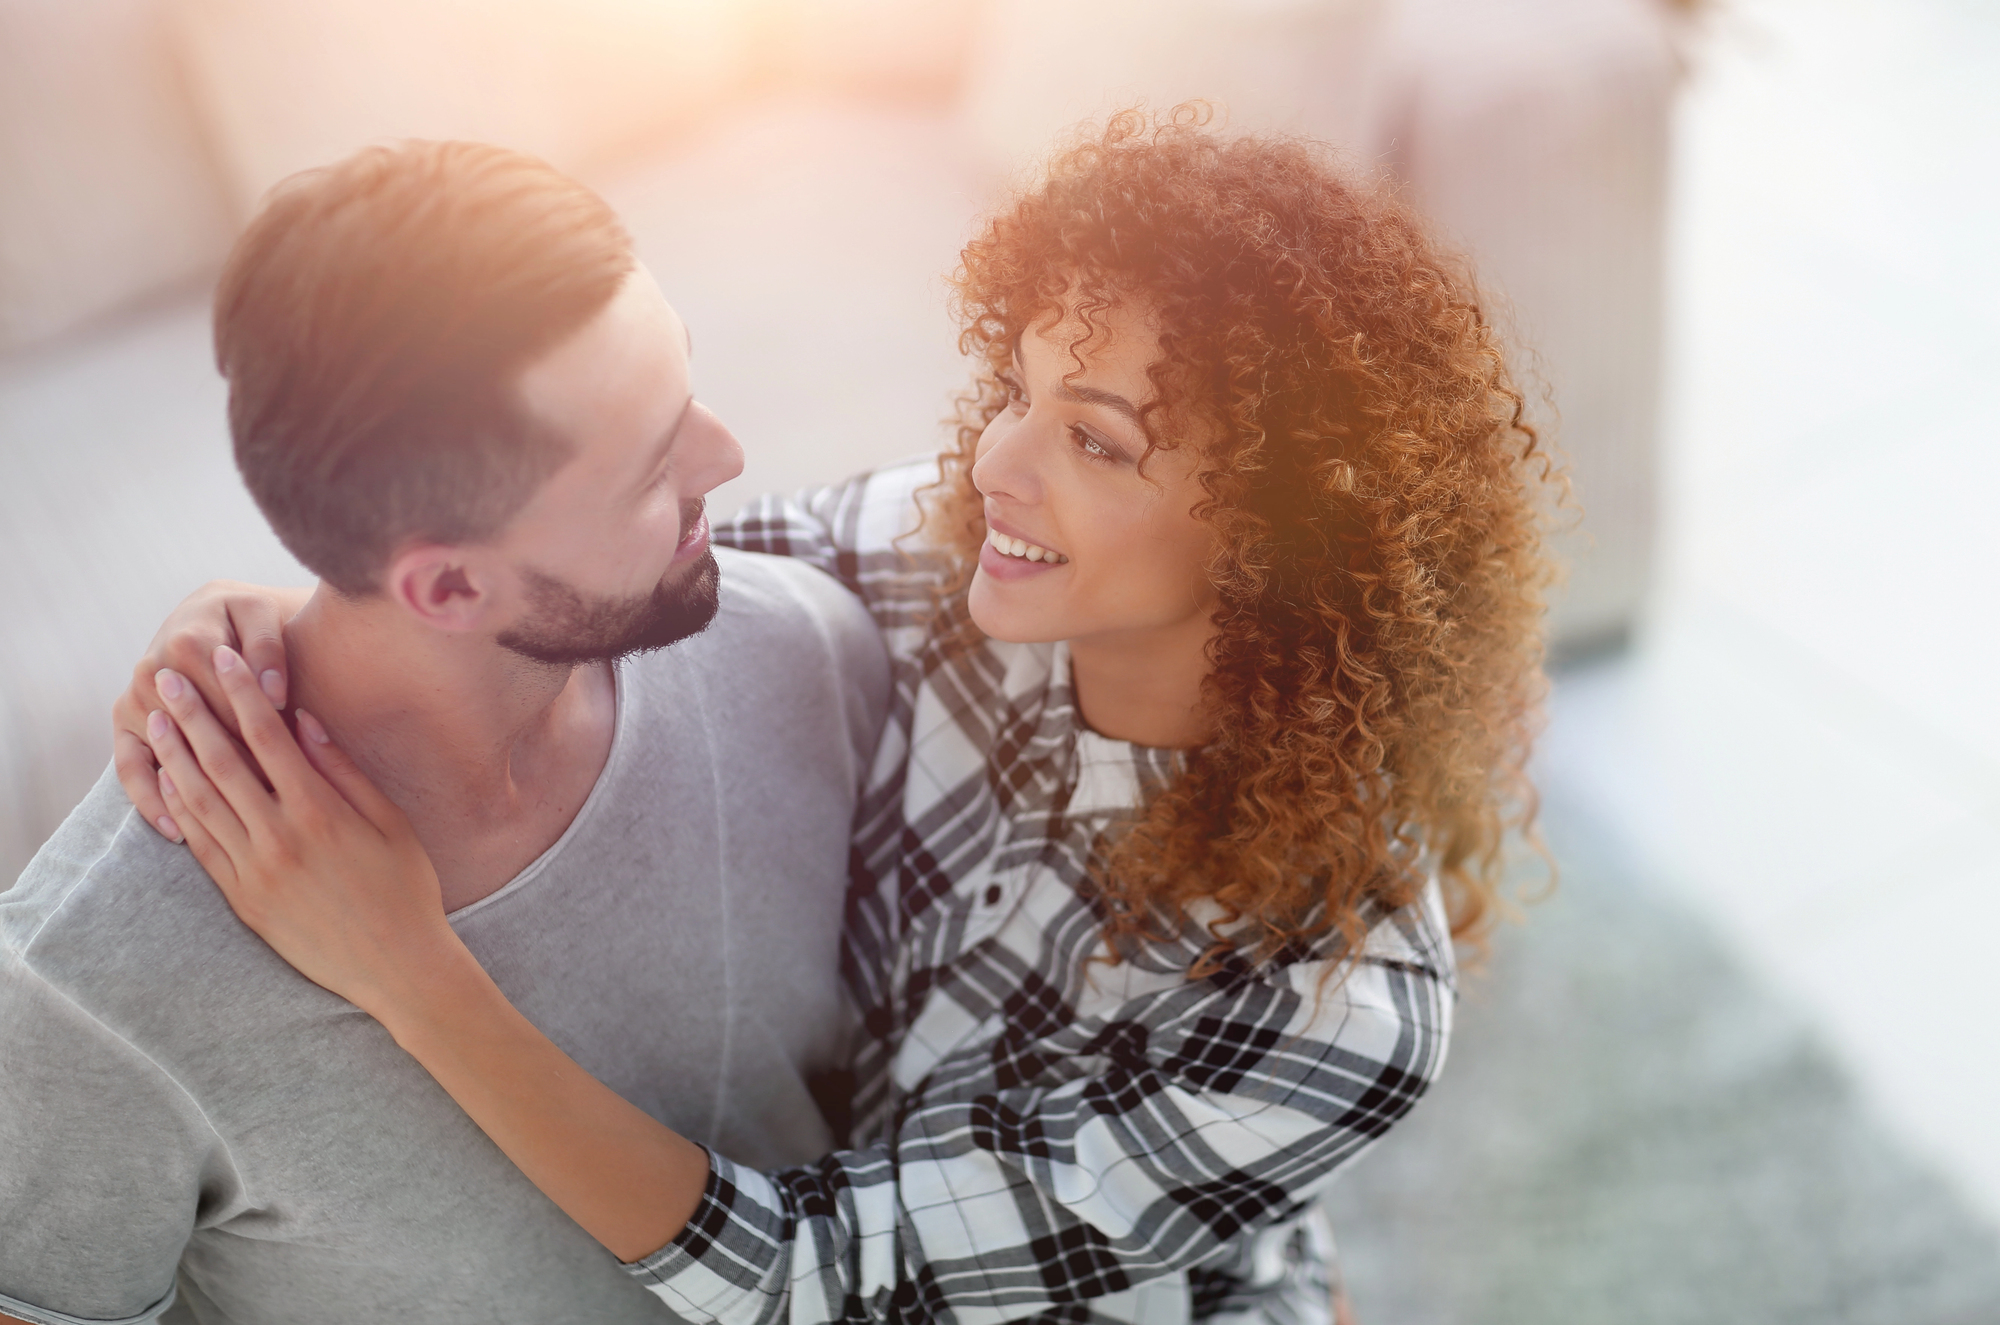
1053 1169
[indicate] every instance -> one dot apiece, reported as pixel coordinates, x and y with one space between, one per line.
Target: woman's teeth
1015 547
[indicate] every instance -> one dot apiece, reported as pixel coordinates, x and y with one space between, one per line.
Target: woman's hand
320 864
246 617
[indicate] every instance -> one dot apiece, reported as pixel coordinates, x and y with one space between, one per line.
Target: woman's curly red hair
1379 502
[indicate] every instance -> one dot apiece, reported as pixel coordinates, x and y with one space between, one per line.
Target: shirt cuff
729 1259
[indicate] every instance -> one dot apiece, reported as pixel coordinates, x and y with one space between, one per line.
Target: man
464 406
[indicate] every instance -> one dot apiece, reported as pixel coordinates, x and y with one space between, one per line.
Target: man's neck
489 753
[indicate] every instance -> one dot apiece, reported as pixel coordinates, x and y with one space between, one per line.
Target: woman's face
1113 555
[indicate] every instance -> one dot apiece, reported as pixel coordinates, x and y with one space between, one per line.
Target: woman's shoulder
865 532
881 507
870 514
1415 938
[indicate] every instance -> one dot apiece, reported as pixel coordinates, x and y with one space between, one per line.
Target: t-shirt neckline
613 760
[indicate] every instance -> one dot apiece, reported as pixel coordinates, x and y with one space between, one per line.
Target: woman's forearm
629 1180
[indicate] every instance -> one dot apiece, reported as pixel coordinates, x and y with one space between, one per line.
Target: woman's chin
1010 622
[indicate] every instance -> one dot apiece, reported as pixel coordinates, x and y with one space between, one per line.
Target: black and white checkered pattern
1042 1135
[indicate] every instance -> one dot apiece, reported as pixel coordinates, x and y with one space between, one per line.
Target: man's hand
248 618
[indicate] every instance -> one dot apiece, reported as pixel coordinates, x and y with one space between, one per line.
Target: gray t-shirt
172 1095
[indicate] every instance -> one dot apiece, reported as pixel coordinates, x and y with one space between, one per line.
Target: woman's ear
447 588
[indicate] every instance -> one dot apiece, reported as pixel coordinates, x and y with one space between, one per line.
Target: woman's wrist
629 1180
439 990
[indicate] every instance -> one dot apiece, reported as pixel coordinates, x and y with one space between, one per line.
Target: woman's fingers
260 635
188 654
223 762
346 776
299 779
207 851
139 774
191 797
220 612
270 741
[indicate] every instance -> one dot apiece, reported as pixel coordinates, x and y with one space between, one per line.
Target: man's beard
564 628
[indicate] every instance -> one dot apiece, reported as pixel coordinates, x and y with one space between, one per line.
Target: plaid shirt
1045 1136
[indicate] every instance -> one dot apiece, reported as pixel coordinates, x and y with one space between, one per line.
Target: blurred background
1743 1064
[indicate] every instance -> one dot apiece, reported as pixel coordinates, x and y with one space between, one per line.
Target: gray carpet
1631 1131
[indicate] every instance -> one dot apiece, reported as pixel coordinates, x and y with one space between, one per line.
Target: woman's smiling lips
1007 556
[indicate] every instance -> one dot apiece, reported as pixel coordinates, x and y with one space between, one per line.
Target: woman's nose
1008 462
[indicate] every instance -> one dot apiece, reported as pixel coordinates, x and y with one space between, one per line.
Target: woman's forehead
1113 341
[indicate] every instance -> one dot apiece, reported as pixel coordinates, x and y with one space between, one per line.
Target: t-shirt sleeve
103 1163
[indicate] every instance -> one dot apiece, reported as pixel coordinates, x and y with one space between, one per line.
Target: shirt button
992 894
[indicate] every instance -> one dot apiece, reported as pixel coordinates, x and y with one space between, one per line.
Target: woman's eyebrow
1090 395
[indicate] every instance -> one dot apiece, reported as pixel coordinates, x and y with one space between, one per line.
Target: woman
1216 660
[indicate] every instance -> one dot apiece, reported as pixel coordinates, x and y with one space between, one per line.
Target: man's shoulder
102 852
792 666
107 904
763 592
779 618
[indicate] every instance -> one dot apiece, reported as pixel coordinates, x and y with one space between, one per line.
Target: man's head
452 386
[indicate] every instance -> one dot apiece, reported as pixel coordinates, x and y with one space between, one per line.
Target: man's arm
99 1150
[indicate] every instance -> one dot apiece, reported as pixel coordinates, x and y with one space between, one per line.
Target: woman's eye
1015 396
1090 446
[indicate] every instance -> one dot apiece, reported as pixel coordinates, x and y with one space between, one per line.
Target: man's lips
694 539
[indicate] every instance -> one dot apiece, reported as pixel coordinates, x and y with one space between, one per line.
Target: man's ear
447 588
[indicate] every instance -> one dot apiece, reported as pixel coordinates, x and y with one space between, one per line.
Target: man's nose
717 455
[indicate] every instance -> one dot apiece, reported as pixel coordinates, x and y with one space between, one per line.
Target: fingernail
168 828
273 682
157 725
225 658
167 784
169 682
310 726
